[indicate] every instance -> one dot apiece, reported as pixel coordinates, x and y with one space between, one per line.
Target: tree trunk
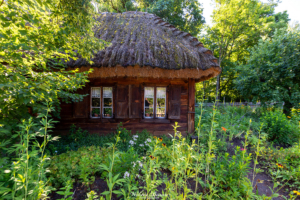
203 90
218 87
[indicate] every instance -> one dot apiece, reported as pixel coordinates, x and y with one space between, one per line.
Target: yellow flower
288 117
279 165
154 137
160 139
296 192
163 144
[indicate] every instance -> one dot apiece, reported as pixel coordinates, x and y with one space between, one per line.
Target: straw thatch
143 39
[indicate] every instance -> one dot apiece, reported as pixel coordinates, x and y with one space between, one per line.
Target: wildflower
131 142
154 137
173 168
279 165
152 157
141 145
126 174
288 117
296 192
160 139
133 163
242 149
148 140
140 164
164 145
224 129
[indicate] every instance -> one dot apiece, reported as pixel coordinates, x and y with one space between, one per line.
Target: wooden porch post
191 110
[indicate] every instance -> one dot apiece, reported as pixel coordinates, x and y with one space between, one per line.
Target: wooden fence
235 104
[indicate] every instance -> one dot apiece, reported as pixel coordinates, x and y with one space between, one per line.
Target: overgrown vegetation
216 166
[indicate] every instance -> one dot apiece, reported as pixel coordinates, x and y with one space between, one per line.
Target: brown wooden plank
80 109
121 104
191 108
174 101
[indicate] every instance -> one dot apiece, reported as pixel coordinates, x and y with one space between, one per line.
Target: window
157 95
108 101
96 102
105 102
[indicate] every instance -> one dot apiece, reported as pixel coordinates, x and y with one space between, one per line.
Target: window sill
156 121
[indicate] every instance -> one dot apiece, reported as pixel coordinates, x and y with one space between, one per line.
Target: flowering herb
279 165
152 157
224 129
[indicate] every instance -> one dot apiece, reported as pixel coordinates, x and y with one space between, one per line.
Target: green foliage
36 39
25 162
184 15
231 173
272 71
288 172
82 164
238 25
280 130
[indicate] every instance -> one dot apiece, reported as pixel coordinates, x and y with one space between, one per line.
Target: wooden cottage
144 79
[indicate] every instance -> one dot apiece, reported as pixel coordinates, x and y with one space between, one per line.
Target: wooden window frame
112 103
101 114
154 102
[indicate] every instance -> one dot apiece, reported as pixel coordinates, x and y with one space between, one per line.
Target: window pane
96 92
160 112
107 92
107 102
148 102
95 102
107 112
149 92
96 112
161 92
148 112
161 102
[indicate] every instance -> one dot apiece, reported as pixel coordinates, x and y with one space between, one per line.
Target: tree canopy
238 25
36 38
272 72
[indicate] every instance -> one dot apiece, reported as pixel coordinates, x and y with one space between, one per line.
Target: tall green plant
27 173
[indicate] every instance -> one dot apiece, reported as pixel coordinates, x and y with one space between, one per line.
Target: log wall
79 113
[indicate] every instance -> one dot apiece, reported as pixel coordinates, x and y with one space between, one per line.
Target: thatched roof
145 40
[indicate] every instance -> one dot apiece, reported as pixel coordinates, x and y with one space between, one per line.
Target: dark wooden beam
191 108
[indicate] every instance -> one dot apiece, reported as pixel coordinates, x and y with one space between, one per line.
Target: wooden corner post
191 108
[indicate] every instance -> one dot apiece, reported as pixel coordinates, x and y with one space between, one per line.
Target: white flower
134 139
148 140
141 145
126 174
133 164
129 146
140 164
135 136
6 74
131 142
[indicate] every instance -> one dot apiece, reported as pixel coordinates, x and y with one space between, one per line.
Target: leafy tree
116 6
36 38
272 72
238 25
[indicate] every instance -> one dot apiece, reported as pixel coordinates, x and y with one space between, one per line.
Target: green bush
231 175
279 129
